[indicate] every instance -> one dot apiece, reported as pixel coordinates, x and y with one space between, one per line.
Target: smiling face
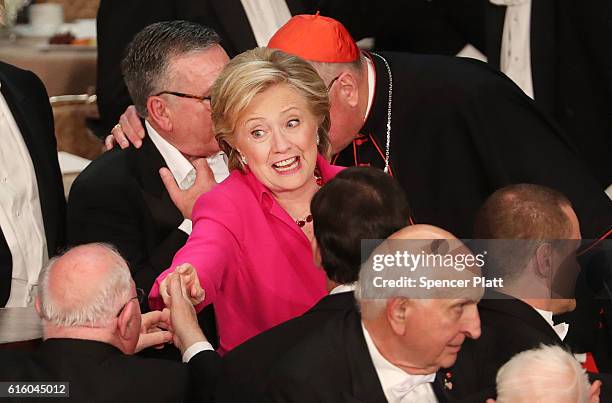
276 134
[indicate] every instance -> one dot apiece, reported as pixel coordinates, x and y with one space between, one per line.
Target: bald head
84 286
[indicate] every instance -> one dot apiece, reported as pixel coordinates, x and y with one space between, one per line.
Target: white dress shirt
342 288
398 385
266 17
183 172
515 53
20 212
561 328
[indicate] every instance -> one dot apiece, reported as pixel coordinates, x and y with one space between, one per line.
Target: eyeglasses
139 296
332 83
183 95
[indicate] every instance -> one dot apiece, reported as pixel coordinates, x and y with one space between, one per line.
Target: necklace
389 101
308 218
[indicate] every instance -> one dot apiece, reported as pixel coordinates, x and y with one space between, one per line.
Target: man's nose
472 322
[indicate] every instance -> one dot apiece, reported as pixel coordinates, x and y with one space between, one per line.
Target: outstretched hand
185 325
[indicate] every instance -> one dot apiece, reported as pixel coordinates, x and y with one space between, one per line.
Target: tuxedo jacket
99 372
571 69
247 367
27 99
508 327
332 365
461 130
119 21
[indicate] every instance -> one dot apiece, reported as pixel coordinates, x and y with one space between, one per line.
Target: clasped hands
178 323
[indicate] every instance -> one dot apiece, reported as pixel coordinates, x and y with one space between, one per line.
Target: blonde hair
253 72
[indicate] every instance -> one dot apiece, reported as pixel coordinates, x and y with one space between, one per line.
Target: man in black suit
538 268
32 205
119 21
391 347
359 203
92 325
120 198
450 130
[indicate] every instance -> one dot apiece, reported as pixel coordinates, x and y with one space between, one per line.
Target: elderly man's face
194 74
436 330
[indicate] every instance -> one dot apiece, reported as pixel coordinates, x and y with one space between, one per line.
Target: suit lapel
494 28
543 41
508 306
365 385
147 162
30 121
235 25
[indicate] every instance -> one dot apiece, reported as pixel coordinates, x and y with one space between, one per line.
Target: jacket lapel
366 387
509 306
39 145
494 28
235 26
147 162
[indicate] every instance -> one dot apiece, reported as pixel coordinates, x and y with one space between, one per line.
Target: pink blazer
254 263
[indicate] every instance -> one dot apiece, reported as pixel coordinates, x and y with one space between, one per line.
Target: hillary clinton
249 252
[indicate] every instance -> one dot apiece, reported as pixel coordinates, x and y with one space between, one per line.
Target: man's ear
159 113
127 321
348 86
397 312
37 306
594 392
543 257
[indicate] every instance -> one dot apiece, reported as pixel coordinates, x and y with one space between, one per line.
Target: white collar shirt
399 386
560 329
266 17
342 288
183 172
20 211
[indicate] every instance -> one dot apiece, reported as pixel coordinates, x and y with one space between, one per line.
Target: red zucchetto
317 39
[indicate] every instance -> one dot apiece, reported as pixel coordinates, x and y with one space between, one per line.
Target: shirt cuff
185 226
196 348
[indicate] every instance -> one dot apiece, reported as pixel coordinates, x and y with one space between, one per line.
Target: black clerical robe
459 131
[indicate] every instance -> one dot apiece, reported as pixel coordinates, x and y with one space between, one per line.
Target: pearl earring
318 140
243 159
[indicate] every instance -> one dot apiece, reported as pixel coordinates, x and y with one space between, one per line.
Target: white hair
544 374
103 305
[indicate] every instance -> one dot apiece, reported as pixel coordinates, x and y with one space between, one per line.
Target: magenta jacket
253 261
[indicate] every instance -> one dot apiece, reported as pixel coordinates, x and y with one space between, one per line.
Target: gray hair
147 57
329 71
547 373
99 309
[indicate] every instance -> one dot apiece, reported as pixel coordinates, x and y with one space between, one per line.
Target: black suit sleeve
204 368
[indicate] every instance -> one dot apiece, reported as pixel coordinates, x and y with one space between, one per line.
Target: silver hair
547 373
328 71
100 309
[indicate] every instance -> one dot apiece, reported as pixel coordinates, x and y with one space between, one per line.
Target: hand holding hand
128 130
154 330
187 331
191 282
